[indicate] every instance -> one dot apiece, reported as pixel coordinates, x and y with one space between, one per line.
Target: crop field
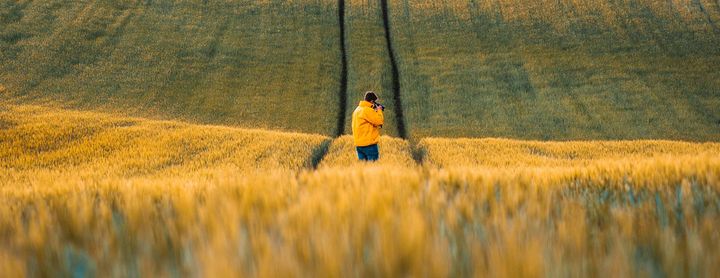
506 153
43 140
95 194
373 221
212 138
565 70
576 70
241 63
395 151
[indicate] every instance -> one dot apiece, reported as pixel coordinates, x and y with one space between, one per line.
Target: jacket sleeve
376 118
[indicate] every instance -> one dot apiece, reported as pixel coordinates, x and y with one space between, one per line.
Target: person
367 119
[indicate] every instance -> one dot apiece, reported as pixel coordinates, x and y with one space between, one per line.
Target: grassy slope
95 193
507 153
108 195
393 152
562 71
38 142
580 70
251 64
38 139
374 221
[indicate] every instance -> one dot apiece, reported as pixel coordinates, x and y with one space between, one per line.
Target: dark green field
560 71
618 70
234 62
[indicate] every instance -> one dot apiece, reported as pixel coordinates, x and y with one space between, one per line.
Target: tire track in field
709 19
416 152
399 117
342 102
322 150
120 26
214 45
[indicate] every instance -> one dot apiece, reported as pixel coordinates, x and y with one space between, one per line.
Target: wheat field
535 70
212 138
508 153
607 220
45 141
93 194
243 63
560 70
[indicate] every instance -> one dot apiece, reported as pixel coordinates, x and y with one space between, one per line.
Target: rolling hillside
251 64
563 70
507 153
88 193
576 70
37 141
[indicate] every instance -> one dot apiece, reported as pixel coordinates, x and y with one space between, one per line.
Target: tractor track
399 117
342 99
708 18
321 151
417 153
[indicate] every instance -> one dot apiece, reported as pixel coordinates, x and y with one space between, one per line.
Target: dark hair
370 96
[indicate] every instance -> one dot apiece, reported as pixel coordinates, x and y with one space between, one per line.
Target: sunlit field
212 138
576 70
644 219
95 194
37 141
506 153
394 151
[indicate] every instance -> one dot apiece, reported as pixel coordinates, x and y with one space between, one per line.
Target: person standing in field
367 119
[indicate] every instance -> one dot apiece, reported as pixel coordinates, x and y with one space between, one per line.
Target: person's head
370 96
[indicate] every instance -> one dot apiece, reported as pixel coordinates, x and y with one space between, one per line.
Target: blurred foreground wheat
90 194
610 219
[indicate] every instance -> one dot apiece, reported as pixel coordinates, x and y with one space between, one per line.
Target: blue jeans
368 153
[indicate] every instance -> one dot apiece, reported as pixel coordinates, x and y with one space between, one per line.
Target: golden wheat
491 152
373 221
94 194
44 141
393 151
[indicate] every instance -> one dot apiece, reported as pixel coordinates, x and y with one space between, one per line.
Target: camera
377 106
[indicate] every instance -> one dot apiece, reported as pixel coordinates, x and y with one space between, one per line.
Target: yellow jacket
366 124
